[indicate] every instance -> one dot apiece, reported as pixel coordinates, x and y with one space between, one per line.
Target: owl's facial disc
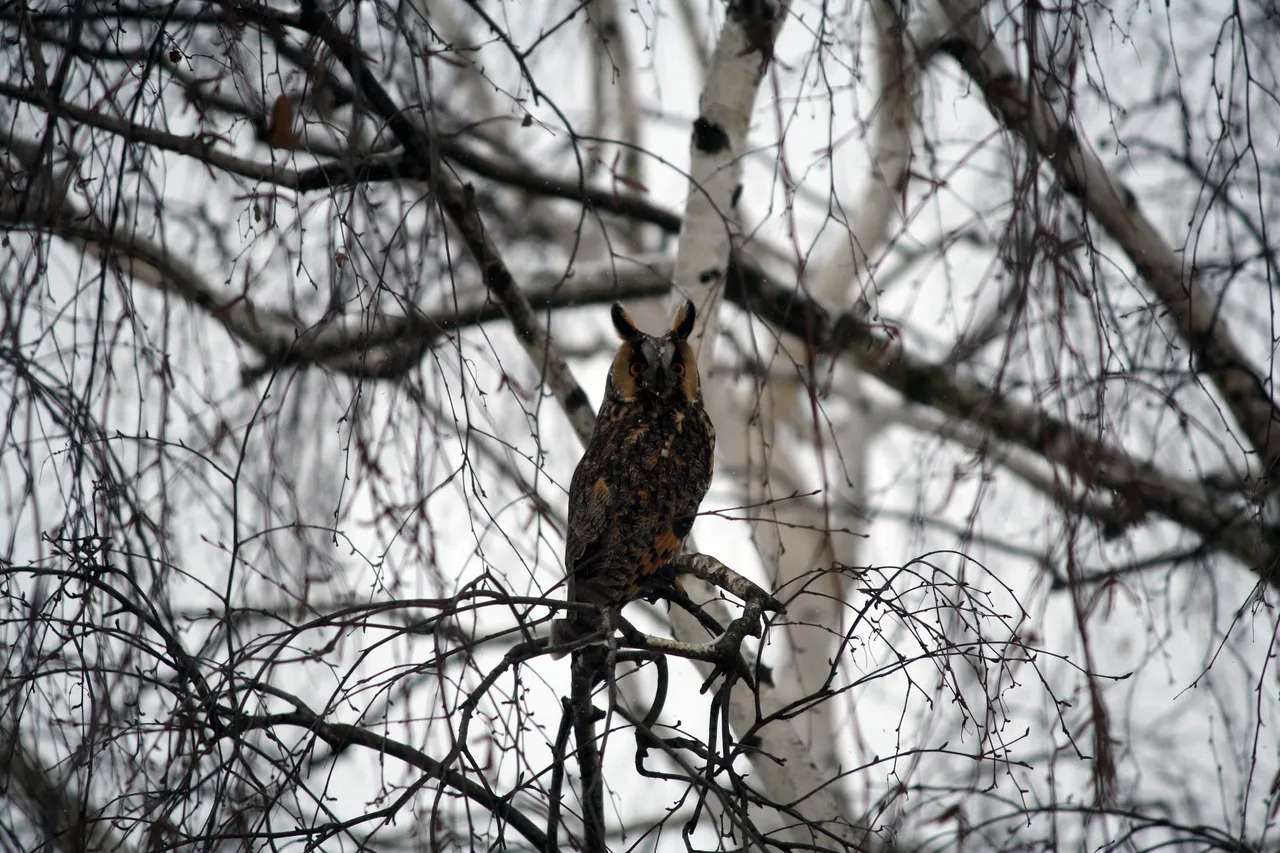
658 377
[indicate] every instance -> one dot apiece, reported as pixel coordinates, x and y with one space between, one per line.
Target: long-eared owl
636 491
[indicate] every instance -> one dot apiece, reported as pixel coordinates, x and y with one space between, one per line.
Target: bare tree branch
53 805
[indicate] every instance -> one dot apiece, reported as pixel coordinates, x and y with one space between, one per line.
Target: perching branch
723 651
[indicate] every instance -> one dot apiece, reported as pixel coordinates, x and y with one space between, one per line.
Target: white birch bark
711 226
798 546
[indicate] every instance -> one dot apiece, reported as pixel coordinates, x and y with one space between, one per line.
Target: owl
636 490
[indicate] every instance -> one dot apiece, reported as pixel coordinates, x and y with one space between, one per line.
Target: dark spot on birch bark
708 136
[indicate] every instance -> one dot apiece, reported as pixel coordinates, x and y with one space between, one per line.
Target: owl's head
654 368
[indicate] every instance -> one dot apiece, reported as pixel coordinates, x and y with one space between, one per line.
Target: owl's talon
731 663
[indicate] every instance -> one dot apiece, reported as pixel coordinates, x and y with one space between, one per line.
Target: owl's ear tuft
622 322
682 323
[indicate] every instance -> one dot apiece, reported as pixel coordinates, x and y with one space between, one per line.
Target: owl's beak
661 381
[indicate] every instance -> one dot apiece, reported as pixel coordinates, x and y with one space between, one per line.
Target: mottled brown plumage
637 489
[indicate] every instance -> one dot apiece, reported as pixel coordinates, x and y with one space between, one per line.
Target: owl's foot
752 673
724 651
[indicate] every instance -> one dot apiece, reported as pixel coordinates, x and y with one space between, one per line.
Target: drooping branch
795 539
875 209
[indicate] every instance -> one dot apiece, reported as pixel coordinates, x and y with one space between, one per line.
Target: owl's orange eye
637 367
678 367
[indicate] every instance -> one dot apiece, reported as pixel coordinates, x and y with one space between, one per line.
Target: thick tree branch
1170 277
1140 486
795 539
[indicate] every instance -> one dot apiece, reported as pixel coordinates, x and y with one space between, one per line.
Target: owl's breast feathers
634 497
